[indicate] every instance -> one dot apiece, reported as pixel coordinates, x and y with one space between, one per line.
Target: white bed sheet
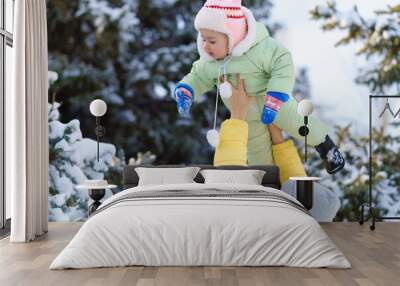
202 232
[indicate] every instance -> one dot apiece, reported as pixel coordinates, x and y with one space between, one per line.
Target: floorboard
374 255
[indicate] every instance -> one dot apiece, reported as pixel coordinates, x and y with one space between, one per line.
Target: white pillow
164 176
248 177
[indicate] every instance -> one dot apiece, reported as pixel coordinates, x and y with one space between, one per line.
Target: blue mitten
273 101
184 96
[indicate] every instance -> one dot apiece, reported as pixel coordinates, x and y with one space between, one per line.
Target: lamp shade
98 107
305 107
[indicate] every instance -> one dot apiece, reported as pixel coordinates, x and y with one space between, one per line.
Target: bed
197 224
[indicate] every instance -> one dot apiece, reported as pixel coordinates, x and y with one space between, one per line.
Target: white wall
9 66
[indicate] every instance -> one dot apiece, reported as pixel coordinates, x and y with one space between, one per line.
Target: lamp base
305 190
303 130
305 193
96 195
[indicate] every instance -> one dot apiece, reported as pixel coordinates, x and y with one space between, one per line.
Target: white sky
332 70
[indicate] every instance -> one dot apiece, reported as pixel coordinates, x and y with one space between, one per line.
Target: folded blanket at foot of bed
203 225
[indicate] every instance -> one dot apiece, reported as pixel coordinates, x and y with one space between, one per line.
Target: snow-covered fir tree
131 53
378 40
72 160
302 87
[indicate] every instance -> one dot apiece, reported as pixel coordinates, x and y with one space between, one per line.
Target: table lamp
305 108
98 108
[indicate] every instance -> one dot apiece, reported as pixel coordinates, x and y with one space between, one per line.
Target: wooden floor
374 255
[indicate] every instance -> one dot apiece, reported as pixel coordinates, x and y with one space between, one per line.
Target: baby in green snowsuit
231 42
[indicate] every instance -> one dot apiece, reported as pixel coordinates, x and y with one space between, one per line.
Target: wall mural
136 57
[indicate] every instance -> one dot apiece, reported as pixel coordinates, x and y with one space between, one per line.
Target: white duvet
200 231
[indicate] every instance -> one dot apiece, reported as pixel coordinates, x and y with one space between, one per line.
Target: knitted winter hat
224 16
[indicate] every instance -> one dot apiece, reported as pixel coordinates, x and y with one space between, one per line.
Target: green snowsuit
265 66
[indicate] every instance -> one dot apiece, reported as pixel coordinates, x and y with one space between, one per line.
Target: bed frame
270 179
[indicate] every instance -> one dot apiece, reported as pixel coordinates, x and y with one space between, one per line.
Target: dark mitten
328 152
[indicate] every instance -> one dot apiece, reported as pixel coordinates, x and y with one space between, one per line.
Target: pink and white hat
224 16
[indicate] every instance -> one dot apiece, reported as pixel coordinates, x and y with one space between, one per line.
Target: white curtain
27 131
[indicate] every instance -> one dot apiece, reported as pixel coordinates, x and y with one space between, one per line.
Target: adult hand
276 134
239 101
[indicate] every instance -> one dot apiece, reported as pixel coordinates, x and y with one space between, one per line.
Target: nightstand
305 190
96 193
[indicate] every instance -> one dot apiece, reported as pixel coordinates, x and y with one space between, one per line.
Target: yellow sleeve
232 148
288 160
